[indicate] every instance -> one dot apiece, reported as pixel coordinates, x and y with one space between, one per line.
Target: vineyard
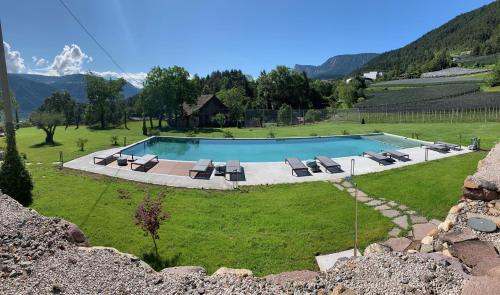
429 81
396 98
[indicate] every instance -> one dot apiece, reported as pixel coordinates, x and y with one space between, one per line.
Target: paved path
403 217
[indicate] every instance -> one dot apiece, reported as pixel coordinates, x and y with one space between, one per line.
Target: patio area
176 173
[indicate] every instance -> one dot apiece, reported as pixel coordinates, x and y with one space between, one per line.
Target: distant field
416 94
429 81
479 60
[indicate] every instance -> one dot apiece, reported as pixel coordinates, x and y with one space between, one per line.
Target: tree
103 95
15 179
48 122
495 75
220 119
149 215
285 114
60 102
347 95
166 90
236 101
80 143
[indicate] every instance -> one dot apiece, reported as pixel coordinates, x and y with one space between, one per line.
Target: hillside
478 31
337 66
30 90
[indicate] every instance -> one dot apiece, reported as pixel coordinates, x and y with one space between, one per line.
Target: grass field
265 229
430 188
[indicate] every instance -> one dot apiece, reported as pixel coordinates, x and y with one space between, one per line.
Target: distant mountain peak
337 66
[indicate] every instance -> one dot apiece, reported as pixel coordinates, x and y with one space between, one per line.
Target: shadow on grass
158 263
44 144
184 130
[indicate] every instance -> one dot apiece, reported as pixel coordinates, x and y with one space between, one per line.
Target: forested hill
478 31
337 66
31 90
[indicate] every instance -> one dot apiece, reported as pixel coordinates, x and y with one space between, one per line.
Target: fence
265 118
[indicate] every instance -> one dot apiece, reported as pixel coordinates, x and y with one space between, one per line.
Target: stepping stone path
400 214
423 229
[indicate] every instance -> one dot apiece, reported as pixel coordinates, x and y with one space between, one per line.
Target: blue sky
203 36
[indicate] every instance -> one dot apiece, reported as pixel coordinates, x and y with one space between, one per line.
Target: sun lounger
201 166
328 163
233 167
377 157
144 161
437 147
396 154
449 145
296 165
106 156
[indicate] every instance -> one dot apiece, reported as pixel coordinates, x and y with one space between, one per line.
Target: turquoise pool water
266 150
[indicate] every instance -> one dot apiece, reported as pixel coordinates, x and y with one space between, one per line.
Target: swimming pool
266 150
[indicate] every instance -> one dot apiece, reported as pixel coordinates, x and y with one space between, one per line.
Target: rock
233 271
417 219
427 240
398 244
445 226
376 248
374 203
481 285
482 224
494 219
426 248
390 213
422 230
305 276
341 290
401 221
494 211
394 232
447 252
454 210
75 235
497 205
458 235
382 207
489 266
469 183
433 232
481 194
472 252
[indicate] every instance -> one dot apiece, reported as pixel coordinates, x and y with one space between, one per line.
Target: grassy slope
266 229
430 188
29 138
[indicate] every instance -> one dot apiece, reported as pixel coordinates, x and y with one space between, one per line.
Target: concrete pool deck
175 173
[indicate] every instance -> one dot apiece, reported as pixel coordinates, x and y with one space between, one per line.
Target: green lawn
430 188
30 139
266 229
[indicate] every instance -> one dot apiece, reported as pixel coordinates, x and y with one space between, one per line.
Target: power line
97 42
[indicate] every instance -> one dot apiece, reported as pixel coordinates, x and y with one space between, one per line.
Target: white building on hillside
372 75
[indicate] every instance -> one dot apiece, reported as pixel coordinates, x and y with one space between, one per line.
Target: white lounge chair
144 161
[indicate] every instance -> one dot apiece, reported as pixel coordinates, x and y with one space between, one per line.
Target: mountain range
30 90
337 66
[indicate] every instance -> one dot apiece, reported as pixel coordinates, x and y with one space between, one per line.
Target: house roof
201 101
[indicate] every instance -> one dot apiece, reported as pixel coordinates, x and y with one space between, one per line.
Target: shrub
219 119
190 133
15 179
80 143
313 134
149 216
312 116
363 121
114 140
285 114
345 132
227 134
271 134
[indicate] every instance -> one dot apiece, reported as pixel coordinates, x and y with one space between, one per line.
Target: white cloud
15 63
39 61
136 79
68 62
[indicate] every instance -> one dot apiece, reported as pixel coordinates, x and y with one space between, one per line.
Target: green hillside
477 31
